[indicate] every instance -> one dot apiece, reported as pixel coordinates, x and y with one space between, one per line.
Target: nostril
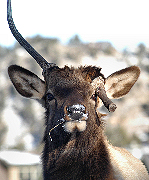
83 110
68 109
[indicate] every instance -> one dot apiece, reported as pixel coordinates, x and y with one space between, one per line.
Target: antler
98 84
101 93
39 59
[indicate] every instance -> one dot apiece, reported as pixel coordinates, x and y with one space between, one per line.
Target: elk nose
76 112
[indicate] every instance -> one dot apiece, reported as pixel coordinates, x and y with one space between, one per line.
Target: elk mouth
75 125
75 118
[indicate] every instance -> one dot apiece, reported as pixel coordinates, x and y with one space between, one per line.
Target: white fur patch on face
71 126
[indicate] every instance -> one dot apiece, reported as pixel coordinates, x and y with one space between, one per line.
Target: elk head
71 96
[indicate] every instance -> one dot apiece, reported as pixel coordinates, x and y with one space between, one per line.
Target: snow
15 157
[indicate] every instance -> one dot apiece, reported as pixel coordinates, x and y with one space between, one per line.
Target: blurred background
110 34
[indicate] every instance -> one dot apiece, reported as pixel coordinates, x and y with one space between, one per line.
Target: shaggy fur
75 155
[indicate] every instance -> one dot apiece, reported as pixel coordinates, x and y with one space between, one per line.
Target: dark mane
79 158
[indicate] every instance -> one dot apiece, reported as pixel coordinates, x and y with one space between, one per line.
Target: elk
75 147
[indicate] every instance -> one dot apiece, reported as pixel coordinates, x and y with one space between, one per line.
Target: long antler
39 59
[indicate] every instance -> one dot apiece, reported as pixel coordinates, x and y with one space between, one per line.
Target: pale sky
124 23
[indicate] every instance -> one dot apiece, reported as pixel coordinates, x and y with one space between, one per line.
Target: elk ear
119 83
26 83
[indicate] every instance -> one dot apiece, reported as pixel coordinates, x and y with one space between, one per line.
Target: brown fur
78 155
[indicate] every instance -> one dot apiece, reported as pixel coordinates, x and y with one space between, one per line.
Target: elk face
70 92
71 96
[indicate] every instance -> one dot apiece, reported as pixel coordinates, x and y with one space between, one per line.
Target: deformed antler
101 93
39 59
98 84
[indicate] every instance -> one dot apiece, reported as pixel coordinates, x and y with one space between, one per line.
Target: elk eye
50 97
69 110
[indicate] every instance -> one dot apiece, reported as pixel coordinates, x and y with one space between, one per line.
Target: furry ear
119 83
26 83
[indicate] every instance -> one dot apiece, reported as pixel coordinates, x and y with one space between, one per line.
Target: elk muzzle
75 117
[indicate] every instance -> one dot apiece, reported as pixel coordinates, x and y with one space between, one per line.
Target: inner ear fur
26 83
119 83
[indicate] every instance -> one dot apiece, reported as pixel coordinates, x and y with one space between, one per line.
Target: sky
124 23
